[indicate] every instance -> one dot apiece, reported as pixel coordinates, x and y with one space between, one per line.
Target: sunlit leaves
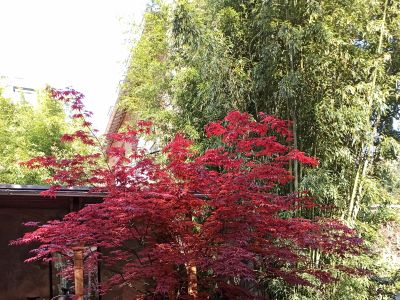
217 210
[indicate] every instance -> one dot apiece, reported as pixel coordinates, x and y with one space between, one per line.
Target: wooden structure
19 204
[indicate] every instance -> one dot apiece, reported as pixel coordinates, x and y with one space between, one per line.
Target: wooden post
171 294
191 270
78 272
51 279
171 291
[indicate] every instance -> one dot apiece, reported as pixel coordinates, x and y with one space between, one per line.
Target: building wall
129 119
19 280
19 88
126 119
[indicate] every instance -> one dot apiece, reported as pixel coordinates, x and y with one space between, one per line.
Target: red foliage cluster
216 223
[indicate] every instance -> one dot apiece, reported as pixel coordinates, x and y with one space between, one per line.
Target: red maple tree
218 223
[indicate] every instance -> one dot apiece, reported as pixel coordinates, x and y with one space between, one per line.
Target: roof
117 117
35 190
13 196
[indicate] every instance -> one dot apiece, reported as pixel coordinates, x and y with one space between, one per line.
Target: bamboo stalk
357 190
353 193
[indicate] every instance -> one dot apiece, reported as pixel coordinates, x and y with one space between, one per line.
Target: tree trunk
295 162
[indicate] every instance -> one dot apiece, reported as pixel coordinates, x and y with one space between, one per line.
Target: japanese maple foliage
202 224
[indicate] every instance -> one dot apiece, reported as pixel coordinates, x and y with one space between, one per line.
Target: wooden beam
78 272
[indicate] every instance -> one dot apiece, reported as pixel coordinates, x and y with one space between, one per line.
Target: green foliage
27 131
329 66
146 86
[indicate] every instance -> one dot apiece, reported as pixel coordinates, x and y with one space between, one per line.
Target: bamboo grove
331 67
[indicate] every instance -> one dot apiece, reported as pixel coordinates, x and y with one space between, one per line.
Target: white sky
78 43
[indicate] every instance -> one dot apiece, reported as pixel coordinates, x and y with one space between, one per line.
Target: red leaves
67 138
301 157
69 96
81 135
279 126
51 192
218 211
178 149
40 162
116 151
74 99
214 129
31 224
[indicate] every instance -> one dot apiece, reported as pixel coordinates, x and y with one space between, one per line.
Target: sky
79 43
